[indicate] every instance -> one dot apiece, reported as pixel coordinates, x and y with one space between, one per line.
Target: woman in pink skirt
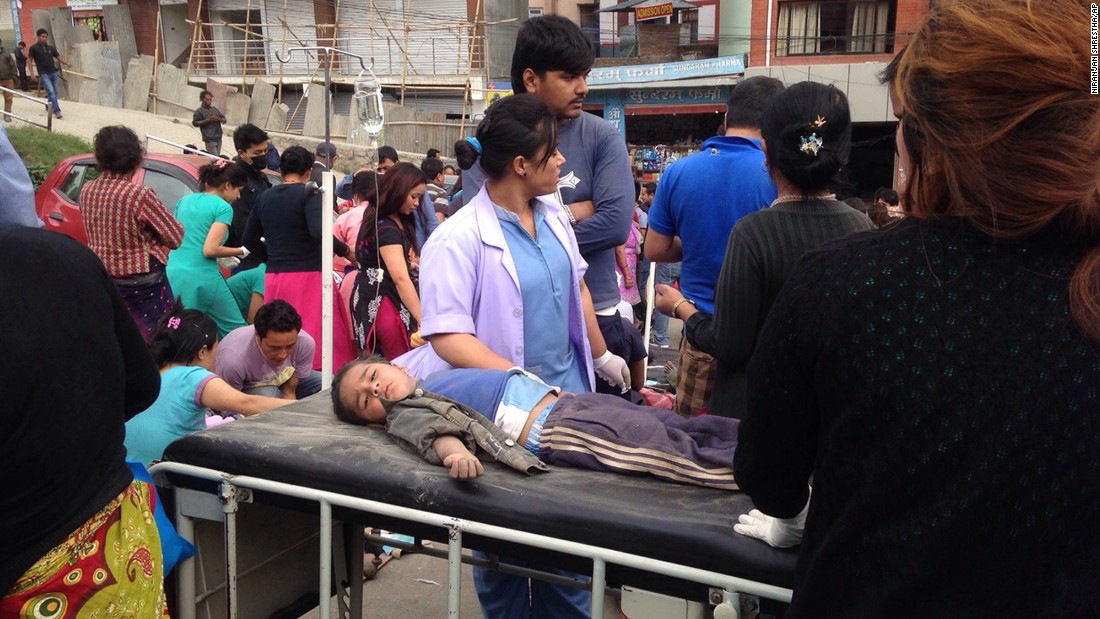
284 229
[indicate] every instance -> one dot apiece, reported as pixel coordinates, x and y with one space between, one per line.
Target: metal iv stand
328 187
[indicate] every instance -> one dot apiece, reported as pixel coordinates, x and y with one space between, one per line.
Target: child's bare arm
459 461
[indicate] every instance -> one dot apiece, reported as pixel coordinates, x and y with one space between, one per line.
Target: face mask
259 163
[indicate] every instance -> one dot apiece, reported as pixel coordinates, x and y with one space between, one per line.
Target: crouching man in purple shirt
271 357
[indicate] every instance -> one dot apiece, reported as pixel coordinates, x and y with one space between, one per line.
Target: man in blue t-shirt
551 60
698 200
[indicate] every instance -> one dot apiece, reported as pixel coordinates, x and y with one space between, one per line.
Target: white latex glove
229 262
613 369
775 532
244 252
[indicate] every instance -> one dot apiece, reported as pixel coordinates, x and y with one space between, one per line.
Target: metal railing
48 126
184 148
455 527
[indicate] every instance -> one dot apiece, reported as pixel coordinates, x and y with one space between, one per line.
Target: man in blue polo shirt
698 200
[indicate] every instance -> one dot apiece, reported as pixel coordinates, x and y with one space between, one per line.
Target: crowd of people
910 398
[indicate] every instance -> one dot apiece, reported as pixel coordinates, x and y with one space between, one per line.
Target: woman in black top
284 227
385 303
940 378
808 134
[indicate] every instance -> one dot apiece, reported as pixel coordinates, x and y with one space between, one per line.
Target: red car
57 200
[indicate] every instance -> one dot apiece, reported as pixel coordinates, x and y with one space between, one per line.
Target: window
835 27
74 180
689 27
169 188
245 34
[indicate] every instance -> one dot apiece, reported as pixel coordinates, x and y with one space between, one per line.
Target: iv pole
328 187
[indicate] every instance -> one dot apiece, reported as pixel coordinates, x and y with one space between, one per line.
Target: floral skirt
110 566
380 323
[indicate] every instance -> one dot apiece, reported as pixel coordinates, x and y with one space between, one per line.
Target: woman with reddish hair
385 305
938 379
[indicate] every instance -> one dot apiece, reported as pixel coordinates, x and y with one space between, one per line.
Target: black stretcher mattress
305 445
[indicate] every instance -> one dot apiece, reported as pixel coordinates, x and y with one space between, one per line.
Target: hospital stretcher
272 500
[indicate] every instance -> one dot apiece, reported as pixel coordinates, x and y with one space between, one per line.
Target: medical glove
613 369
776 532
244 252
229 262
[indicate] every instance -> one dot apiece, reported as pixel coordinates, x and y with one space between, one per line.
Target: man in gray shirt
551 60
209 121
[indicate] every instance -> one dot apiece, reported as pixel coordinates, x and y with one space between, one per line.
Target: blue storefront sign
628 74
680 96
616 100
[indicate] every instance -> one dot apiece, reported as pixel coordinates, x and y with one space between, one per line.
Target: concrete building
663 71
847 44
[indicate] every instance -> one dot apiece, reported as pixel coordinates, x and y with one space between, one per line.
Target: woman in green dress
193 267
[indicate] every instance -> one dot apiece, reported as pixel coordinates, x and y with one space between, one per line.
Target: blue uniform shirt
544 282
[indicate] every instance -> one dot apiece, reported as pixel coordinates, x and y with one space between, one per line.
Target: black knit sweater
934 384
74 370
763 248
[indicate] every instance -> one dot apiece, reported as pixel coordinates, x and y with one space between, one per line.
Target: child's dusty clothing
593 431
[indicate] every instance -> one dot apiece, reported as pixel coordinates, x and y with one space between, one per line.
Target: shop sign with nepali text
637 73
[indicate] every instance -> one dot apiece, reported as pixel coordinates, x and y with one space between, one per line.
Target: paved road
416 586
84 120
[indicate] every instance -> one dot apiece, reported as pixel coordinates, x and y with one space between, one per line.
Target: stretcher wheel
725 610
370 568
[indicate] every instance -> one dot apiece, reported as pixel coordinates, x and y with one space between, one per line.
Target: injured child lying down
527 424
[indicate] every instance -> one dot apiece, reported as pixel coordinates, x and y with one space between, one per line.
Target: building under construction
436 60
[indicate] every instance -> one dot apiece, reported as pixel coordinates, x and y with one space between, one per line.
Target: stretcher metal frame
729 591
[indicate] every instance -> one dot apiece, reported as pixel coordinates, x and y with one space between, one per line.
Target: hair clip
818 122
811 144
174 322
474 142
219 163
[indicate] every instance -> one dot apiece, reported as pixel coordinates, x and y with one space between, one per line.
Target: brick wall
144 15
659 41
26 26
908 13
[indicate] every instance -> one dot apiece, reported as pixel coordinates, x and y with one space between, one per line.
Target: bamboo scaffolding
156 56
404 61
194 36
261 31
316 67
247 32
467 99
282 65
